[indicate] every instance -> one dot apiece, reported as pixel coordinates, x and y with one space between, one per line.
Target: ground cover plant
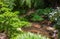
30 36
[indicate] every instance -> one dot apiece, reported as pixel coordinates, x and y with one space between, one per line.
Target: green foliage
30 3
22 11
10 3
23 3
38 3
45 11
37 15
3 8
29 36
55 16
36 18
10 21
9 16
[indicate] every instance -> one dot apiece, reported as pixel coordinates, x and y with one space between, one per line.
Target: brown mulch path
37 28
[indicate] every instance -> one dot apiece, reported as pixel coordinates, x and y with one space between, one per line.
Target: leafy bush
45 11
29 36
55 15
10 3
36 17
10 21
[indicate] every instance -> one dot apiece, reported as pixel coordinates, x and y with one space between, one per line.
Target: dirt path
38 29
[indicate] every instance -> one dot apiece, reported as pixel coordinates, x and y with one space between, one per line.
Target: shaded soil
43 29
3 36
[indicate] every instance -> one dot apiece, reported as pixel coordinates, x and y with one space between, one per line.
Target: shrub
37 4
55 16
45 11
29 36
10 21
38 14
37 18
10 3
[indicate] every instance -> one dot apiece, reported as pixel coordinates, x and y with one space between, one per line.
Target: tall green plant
10 21
30 3
24 3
